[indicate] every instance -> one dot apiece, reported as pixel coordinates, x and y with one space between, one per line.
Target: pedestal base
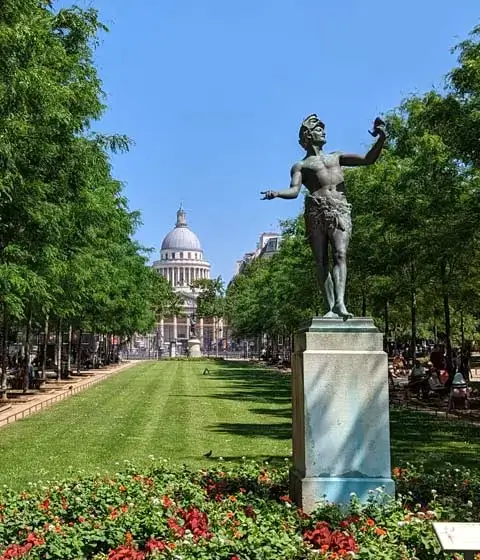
194 350
310 491
341 437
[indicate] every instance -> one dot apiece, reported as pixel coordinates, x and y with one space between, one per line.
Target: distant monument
194 348
341 438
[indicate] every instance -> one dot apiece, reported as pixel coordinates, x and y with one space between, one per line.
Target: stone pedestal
341 435
194 350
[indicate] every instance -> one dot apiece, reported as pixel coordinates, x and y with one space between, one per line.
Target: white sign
458 536
475 373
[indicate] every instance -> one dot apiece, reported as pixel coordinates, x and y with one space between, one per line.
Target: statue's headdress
308 124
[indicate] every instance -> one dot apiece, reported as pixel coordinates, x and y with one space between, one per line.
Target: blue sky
213 92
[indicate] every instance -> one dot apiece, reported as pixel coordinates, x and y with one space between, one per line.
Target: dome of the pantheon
181 238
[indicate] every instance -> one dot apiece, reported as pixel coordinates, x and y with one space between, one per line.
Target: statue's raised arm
354 160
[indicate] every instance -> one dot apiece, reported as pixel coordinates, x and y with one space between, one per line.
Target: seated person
459 380
418 370
434 382
459 391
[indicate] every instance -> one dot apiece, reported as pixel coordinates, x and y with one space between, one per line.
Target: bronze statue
327 212
193 325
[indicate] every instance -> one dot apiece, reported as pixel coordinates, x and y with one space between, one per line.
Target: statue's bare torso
322 175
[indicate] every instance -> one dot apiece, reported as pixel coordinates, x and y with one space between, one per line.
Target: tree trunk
387 326
79 350
59 348
364 304
462 331
45 348
3 376
69 350
448 325
93 338
28 336
413 312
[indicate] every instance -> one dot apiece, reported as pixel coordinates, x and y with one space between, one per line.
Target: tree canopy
413 253
67 252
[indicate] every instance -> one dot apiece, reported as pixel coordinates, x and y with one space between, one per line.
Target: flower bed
238 513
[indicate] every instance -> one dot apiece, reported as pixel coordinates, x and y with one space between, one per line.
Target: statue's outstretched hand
378 128
268 195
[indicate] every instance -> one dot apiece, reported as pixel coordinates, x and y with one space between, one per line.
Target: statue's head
312 131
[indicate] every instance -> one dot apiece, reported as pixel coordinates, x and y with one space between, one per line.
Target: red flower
125 552
178 530
18 550
166 502
285 499
323 538
45 505
153 544
250 512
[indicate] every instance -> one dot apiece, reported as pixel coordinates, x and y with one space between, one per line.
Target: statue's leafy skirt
325 214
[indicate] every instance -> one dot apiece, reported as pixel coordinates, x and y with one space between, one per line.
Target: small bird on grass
209 454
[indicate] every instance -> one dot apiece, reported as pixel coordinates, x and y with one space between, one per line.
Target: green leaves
210 300
415 243
66 248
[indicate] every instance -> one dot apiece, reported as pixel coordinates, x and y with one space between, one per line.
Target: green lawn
169 409
165 409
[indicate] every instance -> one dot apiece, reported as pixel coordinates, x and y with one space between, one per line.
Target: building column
201 332
220 328
175 332
162 332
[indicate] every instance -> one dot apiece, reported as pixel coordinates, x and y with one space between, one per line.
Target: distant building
182 261
268 244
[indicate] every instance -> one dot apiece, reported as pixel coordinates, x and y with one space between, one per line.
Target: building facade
268 244
182 261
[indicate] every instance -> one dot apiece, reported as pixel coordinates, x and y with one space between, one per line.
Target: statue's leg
319 244
339 240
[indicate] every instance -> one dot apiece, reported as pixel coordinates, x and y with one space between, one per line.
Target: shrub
239 512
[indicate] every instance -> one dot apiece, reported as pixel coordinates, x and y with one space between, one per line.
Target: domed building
182 261
181 257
